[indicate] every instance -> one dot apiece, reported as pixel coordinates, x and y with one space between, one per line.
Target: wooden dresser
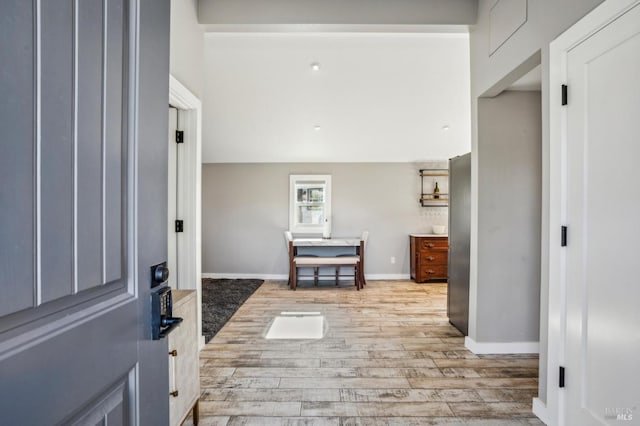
184 363
429 257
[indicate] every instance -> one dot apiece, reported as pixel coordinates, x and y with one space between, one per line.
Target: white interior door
188 195
603 211
172 200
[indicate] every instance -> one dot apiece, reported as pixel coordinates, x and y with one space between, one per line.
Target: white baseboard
222 275
280 277
387 277
540 410
501 347
202 342
270 277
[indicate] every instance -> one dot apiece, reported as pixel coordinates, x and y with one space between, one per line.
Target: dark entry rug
221 298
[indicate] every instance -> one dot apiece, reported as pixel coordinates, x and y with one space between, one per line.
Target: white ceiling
376 97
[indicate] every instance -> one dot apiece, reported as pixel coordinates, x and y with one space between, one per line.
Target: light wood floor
389 357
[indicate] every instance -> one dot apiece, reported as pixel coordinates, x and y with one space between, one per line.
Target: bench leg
337 275
294 277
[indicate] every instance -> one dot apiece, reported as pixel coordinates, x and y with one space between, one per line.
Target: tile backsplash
430 216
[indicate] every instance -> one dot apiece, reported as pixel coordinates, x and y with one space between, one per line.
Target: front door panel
83 193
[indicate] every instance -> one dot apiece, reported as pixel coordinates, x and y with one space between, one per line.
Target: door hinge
179 225
179 136
564 94
563 236
561 377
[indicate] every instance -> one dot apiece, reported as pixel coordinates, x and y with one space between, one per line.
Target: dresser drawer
433 257
429 258
432 272
427 244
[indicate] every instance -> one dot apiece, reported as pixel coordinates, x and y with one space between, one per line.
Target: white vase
326 230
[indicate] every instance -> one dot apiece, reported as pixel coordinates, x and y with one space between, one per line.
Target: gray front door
83 95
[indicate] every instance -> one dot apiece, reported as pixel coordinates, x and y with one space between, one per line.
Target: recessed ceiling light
316 128
445 127
315 66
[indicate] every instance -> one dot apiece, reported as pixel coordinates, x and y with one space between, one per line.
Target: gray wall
490 74
187 46
438 12
509 189
245 209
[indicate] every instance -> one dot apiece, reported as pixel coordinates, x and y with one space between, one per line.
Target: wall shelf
428 180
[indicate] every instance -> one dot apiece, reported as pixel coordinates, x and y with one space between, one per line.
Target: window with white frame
310 204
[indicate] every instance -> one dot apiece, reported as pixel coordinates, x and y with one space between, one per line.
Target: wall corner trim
501 347
540 410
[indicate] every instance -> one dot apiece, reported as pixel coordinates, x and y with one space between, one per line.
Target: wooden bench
320 262
317 262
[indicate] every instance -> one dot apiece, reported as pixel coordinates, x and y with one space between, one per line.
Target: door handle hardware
174 393
173 353
159 274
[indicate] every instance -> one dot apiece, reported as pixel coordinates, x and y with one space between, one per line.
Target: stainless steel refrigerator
459 241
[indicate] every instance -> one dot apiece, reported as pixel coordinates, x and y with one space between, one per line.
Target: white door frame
554 412
189 192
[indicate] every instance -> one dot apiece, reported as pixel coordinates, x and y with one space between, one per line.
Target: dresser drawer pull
430 258
430 245
429 271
